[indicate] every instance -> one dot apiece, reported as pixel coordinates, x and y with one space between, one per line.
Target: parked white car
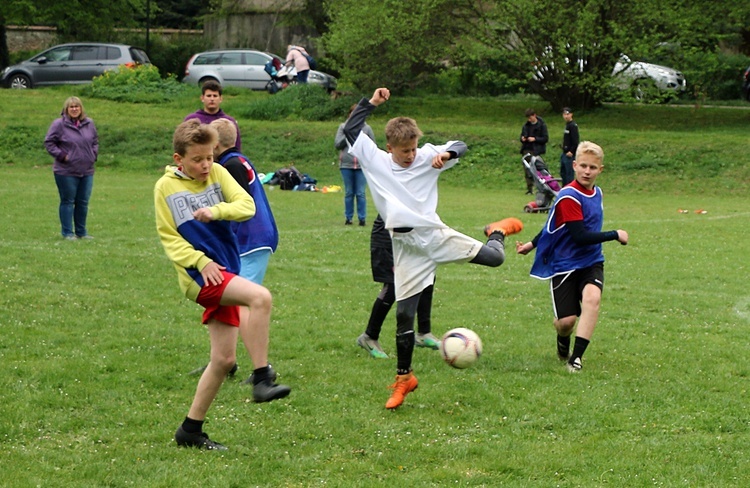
640 75
243 68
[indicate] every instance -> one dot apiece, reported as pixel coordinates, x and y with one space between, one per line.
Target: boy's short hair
400 130
588 147
212 85
192 132
226 130
529 112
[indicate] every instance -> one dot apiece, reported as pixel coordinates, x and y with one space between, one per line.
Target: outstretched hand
380 96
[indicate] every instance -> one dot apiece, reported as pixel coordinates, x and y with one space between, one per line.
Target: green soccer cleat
372 346
427 340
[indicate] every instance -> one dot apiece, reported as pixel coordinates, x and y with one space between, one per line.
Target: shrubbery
142 84
303 101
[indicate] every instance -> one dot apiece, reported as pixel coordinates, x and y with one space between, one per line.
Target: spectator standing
534 138
569 147
74 143
295 55
351 172
211 98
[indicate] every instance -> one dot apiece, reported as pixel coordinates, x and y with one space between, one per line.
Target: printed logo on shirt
183 204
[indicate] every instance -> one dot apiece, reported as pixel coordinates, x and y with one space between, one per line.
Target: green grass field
96 340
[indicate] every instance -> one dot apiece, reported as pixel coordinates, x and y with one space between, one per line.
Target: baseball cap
567 110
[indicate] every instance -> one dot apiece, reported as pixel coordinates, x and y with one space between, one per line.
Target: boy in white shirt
403 184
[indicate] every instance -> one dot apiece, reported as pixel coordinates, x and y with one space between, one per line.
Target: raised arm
356 120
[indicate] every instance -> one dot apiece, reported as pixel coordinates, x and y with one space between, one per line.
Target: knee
564 326
261 299
223 362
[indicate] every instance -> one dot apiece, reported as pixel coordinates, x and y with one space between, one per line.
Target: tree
394 43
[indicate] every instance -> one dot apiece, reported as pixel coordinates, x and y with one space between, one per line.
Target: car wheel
19 81
207 78
645 90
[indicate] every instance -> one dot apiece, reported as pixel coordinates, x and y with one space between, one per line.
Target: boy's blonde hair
588 147
74 101
227 132
192 132
401 130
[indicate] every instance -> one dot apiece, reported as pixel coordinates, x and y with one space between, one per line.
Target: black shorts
381 261
567 289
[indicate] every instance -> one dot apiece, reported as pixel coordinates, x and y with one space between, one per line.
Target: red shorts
210 298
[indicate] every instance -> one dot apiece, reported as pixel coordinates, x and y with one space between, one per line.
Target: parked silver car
627 73
243 68
70 64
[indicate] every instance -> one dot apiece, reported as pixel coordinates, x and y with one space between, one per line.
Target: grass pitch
96 343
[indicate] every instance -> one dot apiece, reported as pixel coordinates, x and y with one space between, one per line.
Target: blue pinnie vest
556 253
260 232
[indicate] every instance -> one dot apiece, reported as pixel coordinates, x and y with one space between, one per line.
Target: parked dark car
746 85
243 68
70 64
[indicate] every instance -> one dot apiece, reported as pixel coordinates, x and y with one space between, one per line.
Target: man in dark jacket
569 147
534 137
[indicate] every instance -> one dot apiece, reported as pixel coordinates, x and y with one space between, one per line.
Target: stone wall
257 31
30 38
37 38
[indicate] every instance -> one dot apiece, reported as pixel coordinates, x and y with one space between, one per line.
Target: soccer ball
461 347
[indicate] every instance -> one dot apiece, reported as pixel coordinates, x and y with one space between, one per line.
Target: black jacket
538 131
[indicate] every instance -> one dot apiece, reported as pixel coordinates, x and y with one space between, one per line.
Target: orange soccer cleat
405 384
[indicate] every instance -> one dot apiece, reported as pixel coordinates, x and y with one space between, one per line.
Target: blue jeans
75 192
354 185
566 169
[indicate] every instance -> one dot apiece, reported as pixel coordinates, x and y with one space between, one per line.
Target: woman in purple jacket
73 142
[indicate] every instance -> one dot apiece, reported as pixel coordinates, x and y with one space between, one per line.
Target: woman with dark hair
73 141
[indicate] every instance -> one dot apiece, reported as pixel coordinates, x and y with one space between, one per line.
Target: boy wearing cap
569 146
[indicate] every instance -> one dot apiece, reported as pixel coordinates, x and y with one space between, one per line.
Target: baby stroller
547 186
277 81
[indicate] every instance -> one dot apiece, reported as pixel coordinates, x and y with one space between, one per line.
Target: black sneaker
267 391
575 366
271 375
199 440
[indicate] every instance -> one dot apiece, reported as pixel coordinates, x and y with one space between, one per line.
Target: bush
716 76
142 84
303 101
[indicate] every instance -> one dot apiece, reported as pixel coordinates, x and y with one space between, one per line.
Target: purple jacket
80 143
207 118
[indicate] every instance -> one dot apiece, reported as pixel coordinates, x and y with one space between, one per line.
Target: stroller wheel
530 207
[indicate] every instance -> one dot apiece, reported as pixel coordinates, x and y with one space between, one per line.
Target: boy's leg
493 253
223 346
406 382
254 325
369 339
425 337
590 303
380 309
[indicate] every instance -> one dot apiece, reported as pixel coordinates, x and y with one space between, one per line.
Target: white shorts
417 253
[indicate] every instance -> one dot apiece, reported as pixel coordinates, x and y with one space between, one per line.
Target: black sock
563 346
260 375
579 348
192 426
379 312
